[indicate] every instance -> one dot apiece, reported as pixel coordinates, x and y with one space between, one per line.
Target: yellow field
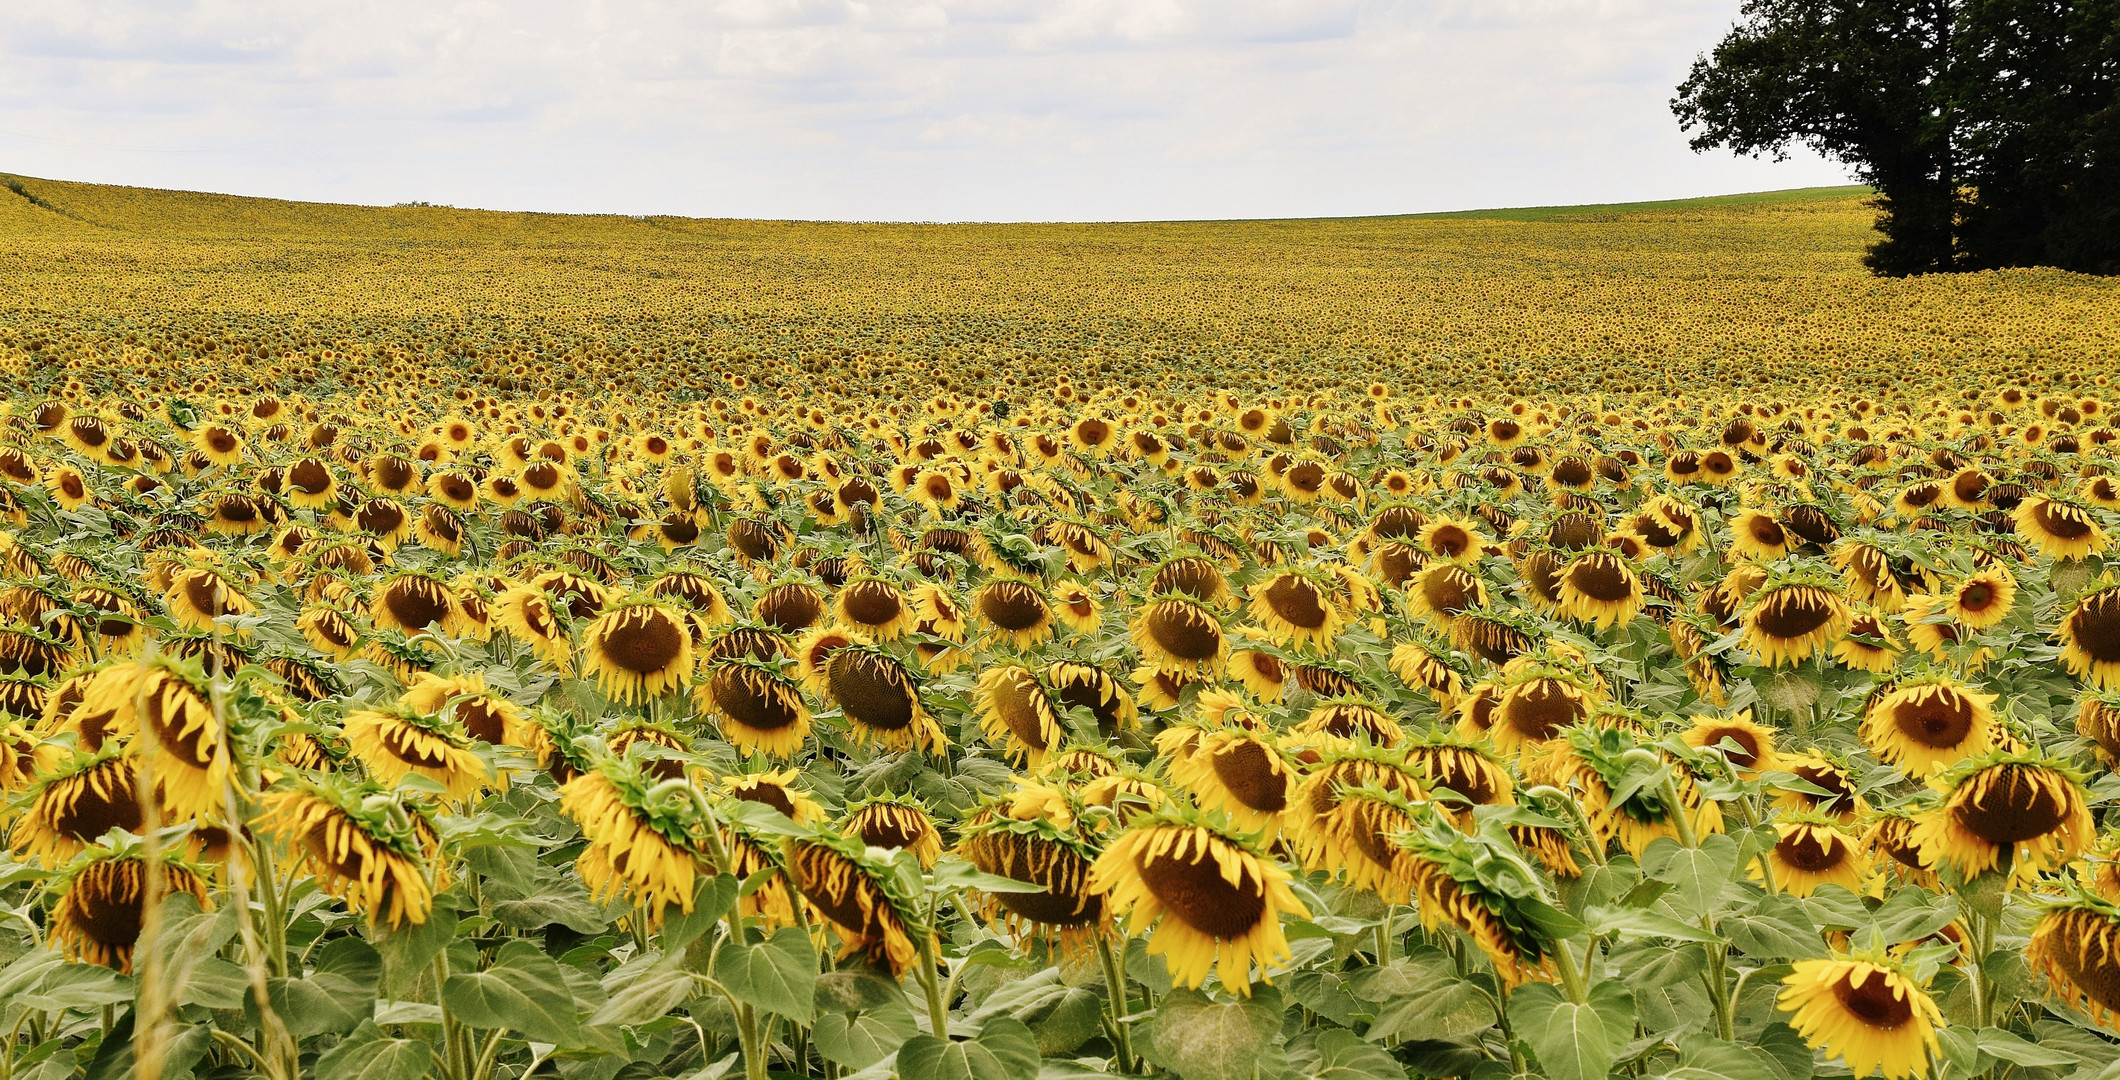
1741 292
1535 644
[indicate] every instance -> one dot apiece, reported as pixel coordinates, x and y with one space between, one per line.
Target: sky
946 110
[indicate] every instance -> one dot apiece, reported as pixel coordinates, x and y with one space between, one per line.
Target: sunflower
1588 762
638 649
103 905
1867 1012
881 699
1891 844
165 702
1193 575
362 845
1017 712
2001 804
758 709
2076 945
1443 590
1809 854
1037 849
775 788
1262 673
410 603
895 822
75 804
2098 719
1599 588
696 591
1240 773
1075 604
1459 880
1351 719
1786 624
1840 800
862 899
1076 685
1353 840
329 631
197 595
1179 635
1925 726
1425 666
529 615
790 606
1535 704
1014 611
2090 638
1745 744
1982 599
2059 529
1759 536
1215 902
1869 645
1293 609
875 607
644 842
397 741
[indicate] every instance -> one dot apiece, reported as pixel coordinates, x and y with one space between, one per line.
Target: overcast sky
941 110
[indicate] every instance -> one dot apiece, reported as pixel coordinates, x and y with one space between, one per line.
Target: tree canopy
1990 128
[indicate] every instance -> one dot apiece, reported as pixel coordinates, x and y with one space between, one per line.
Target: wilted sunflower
362 844
197 595
103 905
1535 702
1599 588
1018 713
1180 635
881 700
1076 685
1809 854
1241 773
1193 575
2090 638
530 616
2098 719
2003 804
1787 623
1014 611
1591 763
1892 845
163 700
695 590
875 607
397 741
75 804
1476 883
863 899
1864 1010
1350 718
1355 841
2076 945
2059 529
639 650
1292 608
1829 775
410 603
1925 726
758 709
1039 849
1869 645
644 837
1215 902
1442 591
1748 746
895 822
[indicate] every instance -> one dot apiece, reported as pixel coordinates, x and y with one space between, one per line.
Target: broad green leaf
367 1054
186 1044
778 975
712 898
1446 1008
76 986
188 939
1202 1039
557 898
1067 1022
524 991
58 1065
1727 1059
1697 875
645 998
1631 924
955 873
336 997
1574 1042
2017 1051
1326 993
1342 1055
1004 1050
861 1018
410 948
216 984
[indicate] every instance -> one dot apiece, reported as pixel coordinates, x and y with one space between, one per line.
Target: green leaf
186 1046
555 898
1004 1050
1344 1056
1326 993
1698 875
861 1018
1574 1042
410 948
1067 1022
76 986
2017 1051
188 939
1202 1039
216 984
1727 1059
647 997
368 1054
1777 928
1631 924
1446 1007
711 899
778 975
524 991
337 997
955 873
1790 1055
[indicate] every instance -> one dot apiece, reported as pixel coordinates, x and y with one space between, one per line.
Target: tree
1990 128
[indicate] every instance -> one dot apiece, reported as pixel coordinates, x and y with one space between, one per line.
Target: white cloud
943 109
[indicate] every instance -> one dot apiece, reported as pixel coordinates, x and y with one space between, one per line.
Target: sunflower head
895 822
1926 725
872 904
639 649
373 849
1864 1010
2007 810
102 905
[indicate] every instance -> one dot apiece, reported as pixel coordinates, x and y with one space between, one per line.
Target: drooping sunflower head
645 837
1241 773
869 904
2059 528
2076 945
2090 638
1789 620
1351 718
791 606
777 788
1178 634
102 906
1599 588
76 803
1019 713
2007 808
1476 883
895 822
1215 901
881 699
167 702
1926 725
876 607
1812 852
1297 608
1041 850
2098 719
759 710
1014 611
1535 702
1866 1011
397 741
639 650
1746 744
1835 783
372 849
1073 684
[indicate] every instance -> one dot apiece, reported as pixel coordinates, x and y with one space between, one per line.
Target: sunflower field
972 688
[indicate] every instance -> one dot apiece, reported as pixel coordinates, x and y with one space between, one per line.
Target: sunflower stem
1121 1006
938 1010
1571 976
1679 819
